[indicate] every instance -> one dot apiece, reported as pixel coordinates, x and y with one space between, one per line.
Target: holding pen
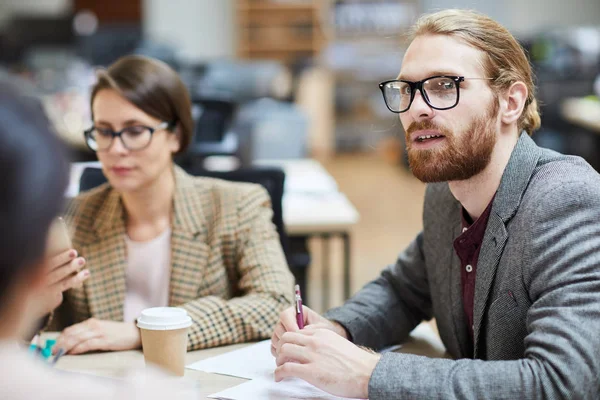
299 314
59 354
299 317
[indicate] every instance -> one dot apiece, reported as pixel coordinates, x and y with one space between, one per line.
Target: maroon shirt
467 246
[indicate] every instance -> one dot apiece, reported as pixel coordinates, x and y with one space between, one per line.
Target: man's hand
94 334
287 323
64 272
327 361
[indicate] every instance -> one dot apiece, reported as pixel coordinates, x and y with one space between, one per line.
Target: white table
422 341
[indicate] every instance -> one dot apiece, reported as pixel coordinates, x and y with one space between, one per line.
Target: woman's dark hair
153 87
33 180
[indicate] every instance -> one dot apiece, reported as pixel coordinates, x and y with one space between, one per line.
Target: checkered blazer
227 266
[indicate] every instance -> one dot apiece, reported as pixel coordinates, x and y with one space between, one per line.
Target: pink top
147 275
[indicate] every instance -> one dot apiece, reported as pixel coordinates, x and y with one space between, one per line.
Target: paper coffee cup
164 337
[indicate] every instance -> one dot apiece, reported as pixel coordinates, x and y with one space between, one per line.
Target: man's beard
461 157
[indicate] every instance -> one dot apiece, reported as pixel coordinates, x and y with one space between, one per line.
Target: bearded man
508 262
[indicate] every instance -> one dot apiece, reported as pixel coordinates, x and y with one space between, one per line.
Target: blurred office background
294 79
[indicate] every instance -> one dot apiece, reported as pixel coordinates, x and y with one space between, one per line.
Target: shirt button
469 268
464 230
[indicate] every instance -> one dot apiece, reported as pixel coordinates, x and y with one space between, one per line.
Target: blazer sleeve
264 285
387 309
562 274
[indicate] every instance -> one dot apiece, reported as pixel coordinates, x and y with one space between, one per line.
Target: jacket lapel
515 179
105 288
189 248
492 247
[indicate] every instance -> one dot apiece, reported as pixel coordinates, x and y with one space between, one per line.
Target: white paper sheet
256 362
261 389
251 362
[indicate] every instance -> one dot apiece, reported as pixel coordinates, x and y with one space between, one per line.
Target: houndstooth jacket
227 266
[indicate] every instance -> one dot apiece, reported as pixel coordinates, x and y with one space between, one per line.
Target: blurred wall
532 15
524 17
201 29
8 8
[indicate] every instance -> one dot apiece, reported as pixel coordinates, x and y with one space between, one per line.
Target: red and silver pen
299 314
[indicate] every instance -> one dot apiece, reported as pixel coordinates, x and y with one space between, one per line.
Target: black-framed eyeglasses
136 137
440 92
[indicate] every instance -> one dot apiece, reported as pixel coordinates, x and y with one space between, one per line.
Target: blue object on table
47 350
46 353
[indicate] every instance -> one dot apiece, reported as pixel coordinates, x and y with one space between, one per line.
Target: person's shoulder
27 378
560 184
225 191
87 203
564 173
24 377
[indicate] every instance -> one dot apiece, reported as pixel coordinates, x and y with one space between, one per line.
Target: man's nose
419 109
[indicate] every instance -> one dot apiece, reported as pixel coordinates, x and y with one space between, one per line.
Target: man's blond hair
504 59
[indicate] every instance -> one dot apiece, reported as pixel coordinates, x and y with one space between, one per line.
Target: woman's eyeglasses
136 137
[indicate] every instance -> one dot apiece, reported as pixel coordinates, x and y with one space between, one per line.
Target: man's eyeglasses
133 138
439 92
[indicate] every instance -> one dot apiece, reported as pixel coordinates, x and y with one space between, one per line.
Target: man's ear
512 103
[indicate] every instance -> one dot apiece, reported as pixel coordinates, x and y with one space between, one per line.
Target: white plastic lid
164 319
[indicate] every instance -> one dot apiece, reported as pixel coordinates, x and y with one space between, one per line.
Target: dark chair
213 134
272 179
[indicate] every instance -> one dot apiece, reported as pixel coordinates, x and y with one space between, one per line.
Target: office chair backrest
213 119
271 178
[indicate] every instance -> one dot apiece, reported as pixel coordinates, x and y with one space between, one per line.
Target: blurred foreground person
32 186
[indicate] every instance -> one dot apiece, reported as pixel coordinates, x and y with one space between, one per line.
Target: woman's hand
64 272
94 335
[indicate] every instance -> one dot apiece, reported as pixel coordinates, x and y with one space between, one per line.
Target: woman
155 236
32 183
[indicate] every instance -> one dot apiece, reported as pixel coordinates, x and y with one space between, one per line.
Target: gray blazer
537 294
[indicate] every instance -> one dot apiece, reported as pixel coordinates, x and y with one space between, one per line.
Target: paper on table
256 362
262 388
250 362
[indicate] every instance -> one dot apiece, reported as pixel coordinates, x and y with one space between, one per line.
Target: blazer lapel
105 288
189 248
492 247
515 179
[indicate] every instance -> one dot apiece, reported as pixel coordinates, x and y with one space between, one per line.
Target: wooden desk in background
423 341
